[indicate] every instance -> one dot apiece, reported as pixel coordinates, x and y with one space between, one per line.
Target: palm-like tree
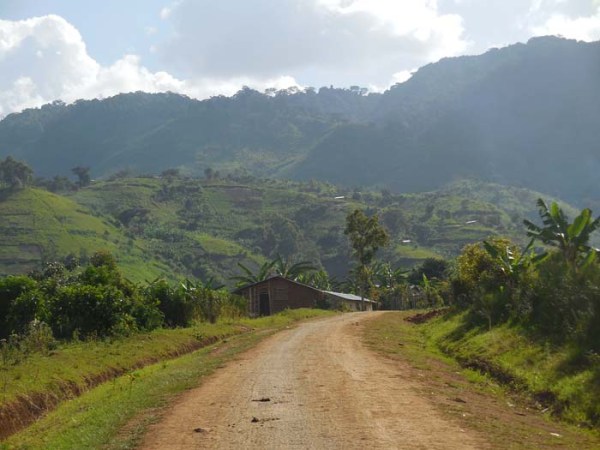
512 262
572 239
286 269
279 266
249 277
317 279
387 277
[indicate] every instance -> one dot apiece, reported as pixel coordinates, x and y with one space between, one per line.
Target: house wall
282 294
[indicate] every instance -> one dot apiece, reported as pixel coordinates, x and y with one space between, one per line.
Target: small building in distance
339 300
277 293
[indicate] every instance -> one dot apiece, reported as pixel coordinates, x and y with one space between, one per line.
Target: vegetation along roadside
470 396
95 418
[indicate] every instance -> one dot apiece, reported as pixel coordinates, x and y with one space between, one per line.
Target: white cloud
165 12
215 47
42 58
401 77
580 28
45 59
358 40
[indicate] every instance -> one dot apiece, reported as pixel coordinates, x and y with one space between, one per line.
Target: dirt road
314 386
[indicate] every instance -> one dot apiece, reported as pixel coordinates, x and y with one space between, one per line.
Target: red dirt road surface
311 387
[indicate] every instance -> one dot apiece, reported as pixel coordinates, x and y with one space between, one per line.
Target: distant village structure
277 293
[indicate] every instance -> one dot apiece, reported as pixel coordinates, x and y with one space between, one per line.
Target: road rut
314 386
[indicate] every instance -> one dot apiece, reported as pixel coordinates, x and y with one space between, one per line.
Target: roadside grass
563 379
506 414
77 363
122 366
93 420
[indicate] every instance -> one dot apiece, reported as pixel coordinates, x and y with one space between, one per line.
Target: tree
366 237
249 277
572 239
286 269
170 174
318 279
15 174
83 175
432 268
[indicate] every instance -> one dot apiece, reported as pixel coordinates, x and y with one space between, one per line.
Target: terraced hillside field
171 226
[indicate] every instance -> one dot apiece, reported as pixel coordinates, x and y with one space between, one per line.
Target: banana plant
513 263
387 277
317 279
249 277
286 269
572 239
207 297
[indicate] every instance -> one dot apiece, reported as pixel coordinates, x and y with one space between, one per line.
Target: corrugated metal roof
272 278
348 296
351 297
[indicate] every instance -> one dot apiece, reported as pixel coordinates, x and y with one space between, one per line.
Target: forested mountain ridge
523 115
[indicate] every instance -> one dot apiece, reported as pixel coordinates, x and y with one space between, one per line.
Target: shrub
27 307
38 338
145 310
234 307
565 299
432 268
11 288
88 309
177 309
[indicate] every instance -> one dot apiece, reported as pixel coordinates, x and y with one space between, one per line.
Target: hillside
204 227
37 225
524 115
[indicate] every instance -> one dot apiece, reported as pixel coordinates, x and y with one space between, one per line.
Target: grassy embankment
500 382
142 374
562 379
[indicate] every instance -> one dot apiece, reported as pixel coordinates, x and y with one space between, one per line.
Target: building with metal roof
277 293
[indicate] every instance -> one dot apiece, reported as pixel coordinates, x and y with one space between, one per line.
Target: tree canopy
366 236
15 174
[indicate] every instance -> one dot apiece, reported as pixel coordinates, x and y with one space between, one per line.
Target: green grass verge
438 350
94 419
75 364
561 378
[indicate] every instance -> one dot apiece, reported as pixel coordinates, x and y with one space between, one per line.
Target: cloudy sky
71 49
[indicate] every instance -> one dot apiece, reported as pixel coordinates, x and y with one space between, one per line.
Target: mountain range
524 115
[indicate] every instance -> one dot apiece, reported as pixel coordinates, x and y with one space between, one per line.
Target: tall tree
366 236
15 174
83 175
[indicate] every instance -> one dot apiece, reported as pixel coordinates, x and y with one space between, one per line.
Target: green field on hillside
182 227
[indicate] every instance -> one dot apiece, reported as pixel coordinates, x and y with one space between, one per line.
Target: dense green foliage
97 301
505 116
557 293
549 300
14 174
